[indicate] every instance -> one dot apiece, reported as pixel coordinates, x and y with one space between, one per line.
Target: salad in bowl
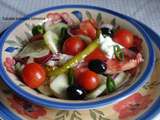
68 57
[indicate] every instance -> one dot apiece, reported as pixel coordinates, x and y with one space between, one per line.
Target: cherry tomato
96 54
33 75
80 70
73 46
88 80
124 37
88 29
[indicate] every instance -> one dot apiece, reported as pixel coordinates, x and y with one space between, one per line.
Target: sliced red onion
44 59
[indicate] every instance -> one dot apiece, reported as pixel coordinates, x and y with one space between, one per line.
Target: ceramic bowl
20 31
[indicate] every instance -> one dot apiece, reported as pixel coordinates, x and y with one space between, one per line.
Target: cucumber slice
51 39
59 85
56 28
96 92
120 78
45 89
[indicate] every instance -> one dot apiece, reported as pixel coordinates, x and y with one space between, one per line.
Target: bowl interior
22 33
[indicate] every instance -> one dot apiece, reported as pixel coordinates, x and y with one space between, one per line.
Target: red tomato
33 75
124 37
88 29
73 46
80 70
96 54
88 80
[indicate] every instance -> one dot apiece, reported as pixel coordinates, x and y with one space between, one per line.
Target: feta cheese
107 44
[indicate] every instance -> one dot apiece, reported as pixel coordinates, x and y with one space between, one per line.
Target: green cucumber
120 78
45 89
51 39
96 92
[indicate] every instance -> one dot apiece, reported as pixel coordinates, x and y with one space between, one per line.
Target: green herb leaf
118 52
111 86
89 15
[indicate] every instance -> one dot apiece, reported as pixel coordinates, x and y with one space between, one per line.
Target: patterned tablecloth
146 11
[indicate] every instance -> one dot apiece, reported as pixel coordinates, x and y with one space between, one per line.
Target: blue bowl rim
86 105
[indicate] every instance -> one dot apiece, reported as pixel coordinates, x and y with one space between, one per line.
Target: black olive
97 66
75 92
134 49
107 31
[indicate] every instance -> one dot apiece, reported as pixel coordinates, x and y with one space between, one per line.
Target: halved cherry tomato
88 29
96 54
33 75
124 37
80 70
88 80
73 45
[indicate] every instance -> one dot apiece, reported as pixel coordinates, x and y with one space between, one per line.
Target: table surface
146 11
